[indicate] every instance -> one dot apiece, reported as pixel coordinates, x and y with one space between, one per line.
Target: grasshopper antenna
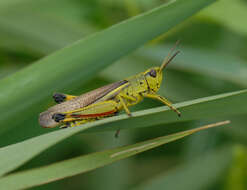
169 57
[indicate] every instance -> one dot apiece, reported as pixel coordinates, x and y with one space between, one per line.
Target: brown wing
95 95
45 118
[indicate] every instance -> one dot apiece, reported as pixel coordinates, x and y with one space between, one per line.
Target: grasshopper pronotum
107 100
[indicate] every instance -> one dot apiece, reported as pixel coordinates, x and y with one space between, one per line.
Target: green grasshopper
107 100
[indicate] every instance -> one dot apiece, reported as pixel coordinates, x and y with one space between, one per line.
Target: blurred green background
212 61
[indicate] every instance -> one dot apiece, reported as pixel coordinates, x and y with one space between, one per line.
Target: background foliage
44 48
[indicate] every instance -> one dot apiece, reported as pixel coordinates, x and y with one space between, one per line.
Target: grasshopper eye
152 73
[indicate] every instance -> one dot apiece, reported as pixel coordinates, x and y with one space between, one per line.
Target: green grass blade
26 91
210 107
89 162
202 108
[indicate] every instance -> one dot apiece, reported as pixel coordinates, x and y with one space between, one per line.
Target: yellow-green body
107 100
135 90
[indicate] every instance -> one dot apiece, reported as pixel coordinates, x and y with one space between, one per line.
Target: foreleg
163 100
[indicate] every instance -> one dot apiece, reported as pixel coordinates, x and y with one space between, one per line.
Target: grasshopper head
154 75
154 78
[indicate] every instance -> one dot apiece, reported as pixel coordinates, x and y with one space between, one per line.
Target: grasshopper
107 100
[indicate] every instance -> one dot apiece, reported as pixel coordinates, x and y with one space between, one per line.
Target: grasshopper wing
97 95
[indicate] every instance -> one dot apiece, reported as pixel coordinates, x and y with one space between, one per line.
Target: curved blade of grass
15 155
89 162
202 108
197 174
26 91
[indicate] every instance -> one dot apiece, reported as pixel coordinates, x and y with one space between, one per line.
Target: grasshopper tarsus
117 133
178 112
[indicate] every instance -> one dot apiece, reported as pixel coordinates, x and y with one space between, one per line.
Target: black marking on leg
58 117
59 98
